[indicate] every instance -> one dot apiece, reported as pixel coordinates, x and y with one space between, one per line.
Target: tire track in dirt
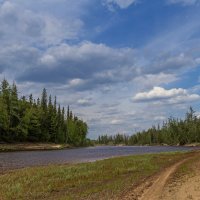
152 188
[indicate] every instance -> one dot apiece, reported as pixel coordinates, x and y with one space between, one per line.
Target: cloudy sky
122 65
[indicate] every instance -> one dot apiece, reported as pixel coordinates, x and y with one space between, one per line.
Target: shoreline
15 147
105 179
28 146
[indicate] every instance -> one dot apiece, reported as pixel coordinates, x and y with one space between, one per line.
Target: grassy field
106 179
31 146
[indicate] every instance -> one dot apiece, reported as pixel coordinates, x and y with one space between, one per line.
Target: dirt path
156 188
185 190
185 183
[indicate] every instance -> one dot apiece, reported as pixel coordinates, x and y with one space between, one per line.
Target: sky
121 65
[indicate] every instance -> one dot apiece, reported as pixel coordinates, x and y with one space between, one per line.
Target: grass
187 169
106 179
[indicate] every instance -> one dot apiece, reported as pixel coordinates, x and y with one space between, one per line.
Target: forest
43 120
25 119
171 132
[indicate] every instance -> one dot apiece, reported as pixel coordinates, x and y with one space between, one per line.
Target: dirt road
181 181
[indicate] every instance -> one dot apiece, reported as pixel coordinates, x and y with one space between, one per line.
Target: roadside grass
105 179
186 169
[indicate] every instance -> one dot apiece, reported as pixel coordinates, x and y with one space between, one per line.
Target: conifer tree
14 111
44 100
38 102
31 99
41 121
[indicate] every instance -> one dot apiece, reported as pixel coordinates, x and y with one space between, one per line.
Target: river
15 160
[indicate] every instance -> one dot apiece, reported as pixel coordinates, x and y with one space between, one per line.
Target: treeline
172 132
113 140
42 120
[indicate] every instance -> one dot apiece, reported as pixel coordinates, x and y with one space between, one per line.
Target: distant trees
113 140
172 132
24 119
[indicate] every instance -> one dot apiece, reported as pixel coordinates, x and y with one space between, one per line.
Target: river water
14 160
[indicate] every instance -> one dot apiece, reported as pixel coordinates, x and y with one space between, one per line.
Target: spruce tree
44 100
31 99
14 112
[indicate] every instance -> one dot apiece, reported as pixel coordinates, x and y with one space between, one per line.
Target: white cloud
24 58
149 80
159 118
173 96
116 122
48 60
183 2
180 52
25 26
120 3
197 60
159 93
169 63
71 63
76 82
84 102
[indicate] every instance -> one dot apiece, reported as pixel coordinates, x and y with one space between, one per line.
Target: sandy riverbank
31 147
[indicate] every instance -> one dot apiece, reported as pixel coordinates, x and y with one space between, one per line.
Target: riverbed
15 160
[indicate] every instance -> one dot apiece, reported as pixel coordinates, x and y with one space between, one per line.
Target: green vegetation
172 132
40 120
104 179
113 140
